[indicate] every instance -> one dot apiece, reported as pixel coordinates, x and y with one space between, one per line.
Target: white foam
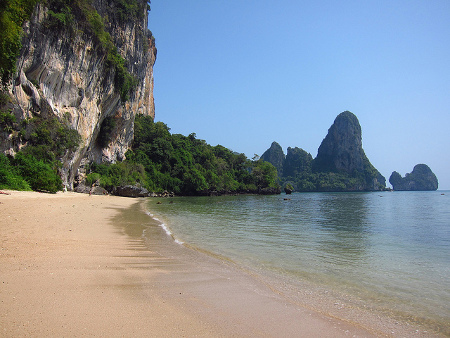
165 228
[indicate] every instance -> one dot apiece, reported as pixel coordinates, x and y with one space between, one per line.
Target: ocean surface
383 252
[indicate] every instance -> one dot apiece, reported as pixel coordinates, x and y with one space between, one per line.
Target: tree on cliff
13 13
38 162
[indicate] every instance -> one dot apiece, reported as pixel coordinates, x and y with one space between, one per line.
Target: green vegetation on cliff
13 13
159 160
420 179
36 165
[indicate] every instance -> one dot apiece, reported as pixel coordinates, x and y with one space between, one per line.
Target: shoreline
316 297
73 264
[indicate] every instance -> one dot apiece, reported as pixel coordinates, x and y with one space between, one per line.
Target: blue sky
245 73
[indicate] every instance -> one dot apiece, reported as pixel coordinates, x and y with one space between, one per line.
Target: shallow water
387 252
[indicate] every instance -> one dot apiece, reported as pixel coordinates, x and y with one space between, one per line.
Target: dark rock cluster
130 191
340 165
420 179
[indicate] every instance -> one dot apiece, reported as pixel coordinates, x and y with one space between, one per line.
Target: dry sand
78 265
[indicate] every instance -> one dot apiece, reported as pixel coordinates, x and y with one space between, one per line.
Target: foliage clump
13 13
35 167
10 176
114 175
48 139
7 121
185 165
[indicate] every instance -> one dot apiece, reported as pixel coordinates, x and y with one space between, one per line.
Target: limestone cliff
420 179
275 155
340 165
341 151
64 72
297 161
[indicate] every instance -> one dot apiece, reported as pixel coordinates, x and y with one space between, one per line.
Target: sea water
389 251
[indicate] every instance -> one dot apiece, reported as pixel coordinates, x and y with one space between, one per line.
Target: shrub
9 178
13 13
36 165
39 175
92 178
57 137
7 121
118 174
60 20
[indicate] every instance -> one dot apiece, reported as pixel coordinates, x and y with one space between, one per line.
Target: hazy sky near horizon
246 73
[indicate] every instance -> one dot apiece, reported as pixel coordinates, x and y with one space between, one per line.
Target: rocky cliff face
340 165
420 179
297 161
64 74
275 155
342 151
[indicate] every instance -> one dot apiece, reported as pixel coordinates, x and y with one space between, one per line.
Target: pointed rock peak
347 116
341 149
275 156
275 146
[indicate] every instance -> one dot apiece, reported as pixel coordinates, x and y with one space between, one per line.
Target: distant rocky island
420 179
340 164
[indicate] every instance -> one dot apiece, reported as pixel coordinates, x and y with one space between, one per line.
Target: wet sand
79 265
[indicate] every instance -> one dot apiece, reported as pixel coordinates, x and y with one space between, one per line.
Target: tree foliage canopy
35 167
186 165
13 13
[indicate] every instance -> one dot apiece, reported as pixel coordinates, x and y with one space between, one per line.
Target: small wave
165 228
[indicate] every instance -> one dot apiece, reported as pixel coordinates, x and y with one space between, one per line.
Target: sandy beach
78 265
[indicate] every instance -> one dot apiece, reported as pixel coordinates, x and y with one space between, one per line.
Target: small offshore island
420 179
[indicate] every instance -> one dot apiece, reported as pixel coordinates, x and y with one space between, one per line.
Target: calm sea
386 252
